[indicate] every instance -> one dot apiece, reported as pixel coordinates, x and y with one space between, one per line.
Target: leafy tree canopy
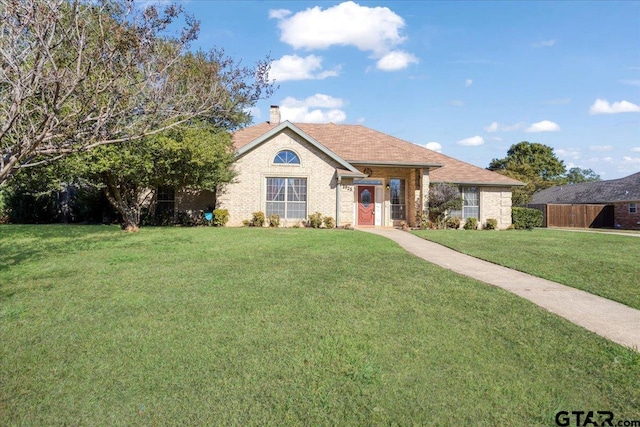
530 159
532 163
197 157
578 175
80 74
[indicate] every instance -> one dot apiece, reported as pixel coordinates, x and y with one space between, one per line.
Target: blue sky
467 78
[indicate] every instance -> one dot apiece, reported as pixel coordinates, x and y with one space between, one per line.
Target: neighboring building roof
614 190
360 145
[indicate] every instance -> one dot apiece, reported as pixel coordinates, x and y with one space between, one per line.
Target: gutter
480 184
396 164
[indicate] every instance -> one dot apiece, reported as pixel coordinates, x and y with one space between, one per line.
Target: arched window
287 157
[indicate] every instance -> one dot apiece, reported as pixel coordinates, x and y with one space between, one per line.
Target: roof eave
397 164
480 184
351 175
287 124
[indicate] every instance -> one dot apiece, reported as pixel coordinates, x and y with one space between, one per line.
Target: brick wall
624 219
248 193
495 202
347 200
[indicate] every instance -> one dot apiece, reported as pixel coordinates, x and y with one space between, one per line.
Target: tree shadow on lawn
20 244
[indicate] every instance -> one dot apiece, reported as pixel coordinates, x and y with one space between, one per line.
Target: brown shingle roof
361 145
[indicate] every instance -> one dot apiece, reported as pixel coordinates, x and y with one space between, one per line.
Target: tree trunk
131 220
126 200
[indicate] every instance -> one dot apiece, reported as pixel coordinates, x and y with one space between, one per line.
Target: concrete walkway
607 318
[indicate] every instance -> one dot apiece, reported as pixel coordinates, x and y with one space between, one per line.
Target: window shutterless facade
165 200
633 208
287 197
396 197
286 157
470 204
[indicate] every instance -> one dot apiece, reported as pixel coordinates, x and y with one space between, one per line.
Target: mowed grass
205 326
603 264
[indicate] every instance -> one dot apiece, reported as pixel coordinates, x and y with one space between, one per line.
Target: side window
470 203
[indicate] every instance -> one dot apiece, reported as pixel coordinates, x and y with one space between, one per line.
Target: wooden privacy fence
579 216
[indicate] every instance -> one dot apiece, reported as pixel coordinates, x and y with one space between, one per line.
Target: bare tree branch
79 74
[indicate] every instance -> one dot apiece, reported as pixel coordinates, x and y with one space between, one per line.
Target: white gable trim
288 125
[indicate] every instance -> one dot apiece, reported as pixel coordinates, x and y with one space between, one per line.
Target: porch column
412 201
424 189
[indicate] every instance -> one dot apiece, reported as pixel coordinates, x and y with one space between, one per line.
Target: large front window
287 197
396 196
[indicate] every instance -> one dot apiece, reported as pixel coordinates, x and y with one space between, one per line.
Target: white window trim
273 158
460 212
266 193
633 206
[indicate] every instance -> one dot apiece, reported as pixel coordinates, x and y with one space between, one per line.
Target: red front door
366 204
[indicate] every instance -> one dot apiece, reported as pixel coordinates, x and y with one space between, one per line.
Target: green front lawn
205 326
603 264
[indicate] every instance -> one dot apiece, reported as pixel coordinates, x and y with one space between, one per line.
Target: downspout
339 180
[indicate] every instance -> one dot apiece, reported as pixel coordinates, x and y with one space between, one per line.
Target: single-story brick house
354 174
618 198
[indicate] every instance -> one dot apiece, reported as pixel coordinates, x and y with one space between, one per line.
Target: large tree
577 175
196 157
534 164
78 74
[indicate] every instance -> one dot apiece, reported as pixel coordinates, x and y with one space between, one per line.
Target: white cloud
544 43
294 67
543 126
457 103
635 149
468 82
435 146
627 160
474 141
318 108
317 100
370 29
601 148
495 127
279 13
602 106
572 153
396 60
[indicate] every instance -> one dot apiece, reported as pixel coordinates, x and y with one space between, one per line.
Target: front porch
387 197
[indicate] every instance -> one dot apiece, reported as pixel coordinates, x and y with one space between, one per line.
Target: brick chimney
274 115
